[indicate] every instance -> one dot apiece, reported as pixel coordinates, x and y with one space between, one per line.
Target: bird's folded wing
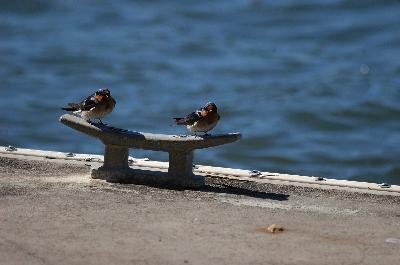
89 103
189 119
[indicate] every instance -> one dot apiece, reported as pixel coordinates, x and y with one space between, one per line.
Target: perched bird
95 106
202 120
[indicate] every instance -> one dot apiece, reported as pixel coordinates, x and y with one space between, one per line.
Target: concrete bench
118 141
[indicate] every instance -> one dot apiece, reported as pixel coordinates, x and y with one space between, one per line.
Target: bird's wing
189 119
89 103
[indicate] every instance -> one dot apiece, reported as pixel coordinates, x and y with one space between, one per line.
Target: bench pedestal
116 169
116 157
180 164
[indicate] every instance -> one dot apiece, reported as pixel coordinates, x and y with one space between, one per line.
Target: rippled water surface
313 86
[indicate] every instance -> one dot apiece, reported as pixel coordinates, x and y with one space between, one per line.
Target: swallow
95 106
202 120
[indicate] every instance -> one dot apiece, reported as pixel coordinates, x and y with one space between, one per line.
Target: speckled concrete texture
52 212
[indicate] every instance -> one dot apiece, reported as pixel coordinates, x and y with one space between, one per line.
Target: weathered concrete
117 141
52 212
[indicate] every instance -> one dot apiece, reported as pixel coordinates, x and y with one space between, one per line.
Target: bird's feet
102 123
94 122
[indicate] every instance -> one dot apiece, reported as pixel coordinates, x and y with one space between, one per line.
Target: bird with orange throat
96 106
202 120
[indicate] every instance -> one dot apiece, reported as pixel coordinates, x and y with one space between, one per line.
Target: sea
312 85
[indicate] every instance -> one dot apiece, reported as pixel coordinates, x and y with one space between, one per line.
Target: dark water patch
353 32
109 17
269 140
317 120
201 14
348 160
369 112
197 48
25 7
367 5
64 58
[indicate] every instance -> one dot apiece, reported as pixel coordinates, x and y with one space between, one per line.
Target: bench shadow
226 189
157 179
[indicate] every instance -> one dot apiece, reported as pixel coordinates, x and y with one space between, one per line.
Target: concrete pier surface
52 212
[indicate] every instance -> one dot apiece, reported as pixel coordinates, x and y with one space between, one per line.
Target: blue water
313 86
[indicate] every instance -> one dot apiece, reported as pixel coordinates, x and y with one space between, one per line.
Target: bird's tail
71 107
180 121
